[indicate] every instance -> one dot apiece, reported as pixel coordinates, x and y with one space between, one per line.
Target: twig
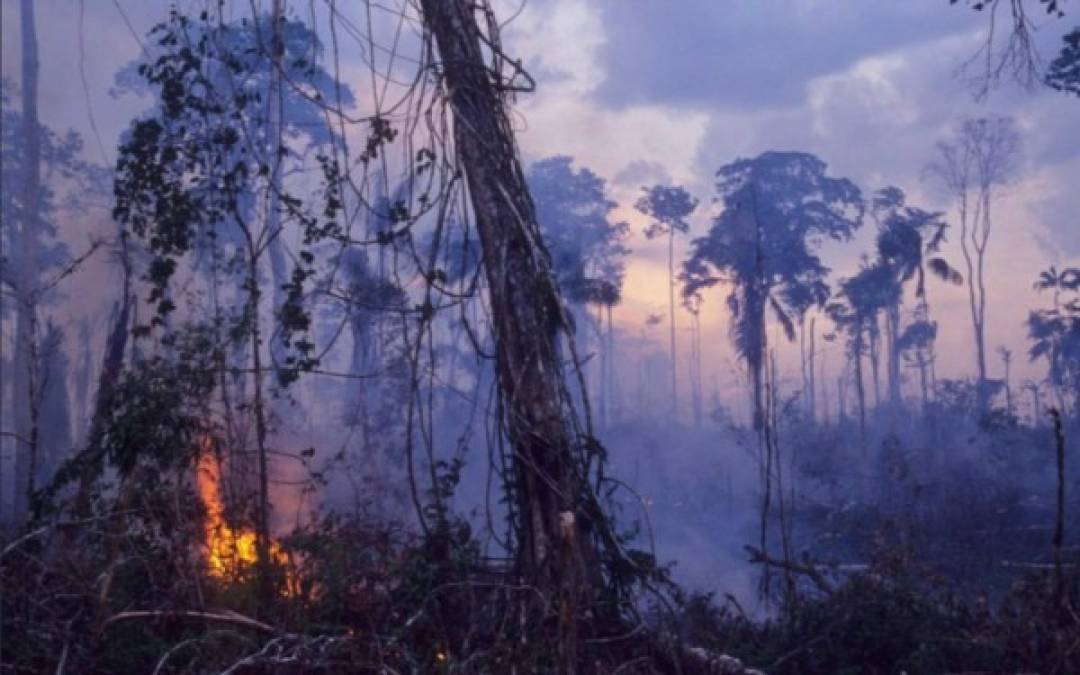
809 571
228 616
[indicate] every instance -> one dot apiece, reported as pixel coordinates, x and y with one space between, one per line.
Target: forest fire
230 553
474 336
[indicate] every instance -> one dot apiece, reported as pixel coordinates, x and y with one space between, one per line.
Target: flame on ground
230 553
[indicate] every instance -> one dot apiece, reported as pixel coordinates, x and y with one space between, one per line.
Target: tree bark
275 247
23 379
555 548
671 313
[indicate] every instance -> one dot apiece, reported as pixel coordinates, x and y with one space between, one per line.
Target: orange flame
230 553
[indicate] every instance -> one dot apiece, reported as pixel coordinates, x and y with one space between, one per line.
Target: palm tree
908 243
1055 332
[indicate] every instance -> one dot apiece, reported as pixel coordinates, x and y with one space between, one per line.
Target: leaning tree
564 546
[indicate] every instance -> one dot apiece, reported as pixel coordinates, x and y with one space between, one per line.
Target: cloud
640 173
747 54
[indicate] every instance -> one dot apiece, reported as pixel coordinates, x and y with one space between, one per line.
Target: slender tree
693 303
24 379
669 207
974 165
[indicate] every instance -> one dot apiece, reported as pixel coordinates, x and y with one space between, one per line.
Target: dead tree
556 552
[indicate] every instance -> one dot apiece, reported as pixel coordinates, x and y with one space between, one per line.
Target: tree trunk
1008 390
671 313
893 328
555 547
812 372
112 363
602 383
860 390
262 513
695 365
612 387
275 247
875 359
24 379
277 263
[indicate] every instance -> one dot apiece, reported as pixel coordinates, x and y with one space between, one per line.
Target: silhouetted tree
777 208
855 311
33 159
1055 333
974 165
908 242
669 207
586 245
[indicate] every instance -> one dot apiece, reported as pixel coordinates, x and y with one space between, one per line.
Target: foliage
575 217
1064 71
1055 332
190 173
777 208
62 168
668 206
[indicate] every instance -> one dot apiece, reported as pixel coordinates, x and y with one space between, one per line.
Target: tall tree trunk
976 292
262 513
556 553
612 392
671 317
277 264
812 377
860 390
602 384
924 368
24 363
875 359
803 360
112 364
893 333
696 370
275 247
824 390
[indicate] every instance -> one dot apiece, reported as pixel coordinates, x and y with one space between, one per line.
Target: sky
642 91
